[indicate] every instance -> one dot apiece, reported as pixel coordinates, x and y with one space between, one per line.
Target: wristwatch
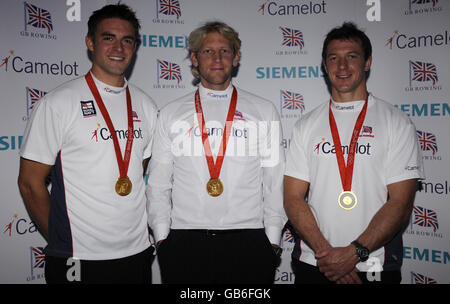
361 252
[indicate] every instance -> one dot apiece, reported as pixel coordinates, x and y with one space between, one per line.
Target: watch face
361 251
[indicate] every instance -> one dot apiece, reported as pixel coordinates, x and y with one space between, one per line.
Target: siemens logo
161 41
10 142
424 110
289 72
426 255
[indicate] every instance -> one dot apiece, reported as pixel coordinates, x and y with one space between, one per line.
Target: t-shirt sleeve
43 135
296 159
405 157
151 115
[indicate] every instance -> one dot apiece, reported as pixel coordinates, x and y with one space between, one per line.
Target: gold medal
123 186
214 187
347 200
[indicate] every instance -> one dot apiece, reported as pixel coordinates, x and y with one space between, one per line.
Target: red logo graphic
5 60
317 146
262 7
95 133
8 227
391 39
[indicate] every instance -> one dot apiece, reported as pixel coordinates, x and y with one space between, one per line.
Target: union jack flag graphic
427 141
33 96
292 37
367 129
37 258
425 218
288 236
425 1
38 17
170 8
420 279
422 71
291 101
169 71
238 115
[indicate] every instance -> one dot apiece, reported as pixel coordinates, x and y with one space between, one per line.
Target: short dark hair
121 11
348 31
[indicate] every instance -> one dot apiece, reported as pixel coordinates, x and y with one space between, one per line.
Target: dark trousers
135 269
309 274
242 256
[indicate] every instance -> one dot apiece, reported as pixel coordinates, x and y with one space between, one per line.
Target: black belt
213 232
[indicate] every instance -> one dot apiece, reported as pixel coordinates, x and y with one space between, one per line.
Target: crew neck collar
103 87
208 94
349 106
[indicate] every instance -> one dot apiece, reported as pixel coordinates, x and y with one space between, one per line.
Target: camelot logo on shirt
218 96
326 147
247 138
344 108
103 133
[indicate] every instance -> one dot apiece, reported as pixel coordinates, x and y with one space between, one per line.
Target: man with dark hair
216 174
349 211
94 218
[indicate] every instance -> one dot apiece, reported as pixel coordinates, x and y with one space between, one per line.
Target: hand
159 243
278 251
350 278
337 262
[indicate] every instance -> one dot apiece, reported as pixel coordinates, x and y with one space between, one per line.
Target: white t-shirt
387 152
88 219
252 170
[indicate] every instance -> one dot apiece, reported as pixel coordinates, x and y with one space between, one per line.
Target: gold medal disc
347 200
123 186
214 187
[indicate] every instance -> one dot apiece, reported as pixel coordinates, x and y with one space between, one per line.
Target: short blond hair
198 35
